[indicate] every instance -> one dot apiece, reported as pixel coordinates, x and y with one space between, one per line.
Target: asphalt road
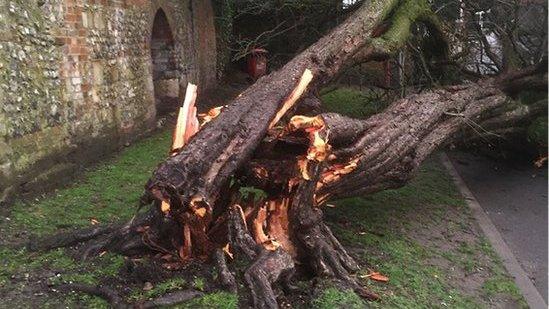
514 196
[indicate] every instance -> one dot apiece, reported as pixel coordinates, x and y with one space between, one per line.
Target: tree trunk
300 162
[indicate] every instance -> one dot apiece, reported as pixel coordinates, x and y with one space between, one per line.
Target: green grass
108 192
499 284
217 300
161 288
381 225
335 298
19 268
199 284
529 97
352 102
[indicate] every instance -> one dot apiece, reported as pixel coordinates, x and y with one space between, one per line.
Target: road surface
514 196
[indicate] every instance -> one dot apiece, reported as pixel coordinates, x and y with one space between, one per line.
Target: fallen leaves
379 277
376 276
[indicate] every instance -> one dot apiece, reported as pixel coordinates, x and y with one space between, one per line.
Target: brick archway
165 67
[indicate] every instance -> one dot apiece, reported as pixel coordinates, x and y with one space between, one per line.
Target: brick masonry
77 82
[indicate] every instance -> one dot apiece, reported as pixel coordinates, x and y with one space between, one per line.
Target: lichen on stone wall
29 59
31 103
113 71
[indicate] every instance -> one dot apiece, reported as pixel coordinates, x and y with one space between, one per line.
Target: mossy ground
421 236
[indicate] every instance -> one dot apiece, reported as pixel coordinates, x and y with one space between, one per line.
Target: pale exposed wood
278 224
210 115
165 207
186 250
259 220
199 207
303 122
192 124
319 149
187 123
298 91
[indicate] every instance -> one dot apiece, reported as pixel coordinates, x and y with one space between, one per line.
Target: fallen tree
300 162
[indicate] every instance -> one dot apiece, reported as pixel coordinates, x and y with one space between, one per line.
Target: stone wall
76 80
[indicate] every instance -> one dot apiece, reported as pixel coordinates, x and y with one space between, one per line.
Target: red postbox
257 63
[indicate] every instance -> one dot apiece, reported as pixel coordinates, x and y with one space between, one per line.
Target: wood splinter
187 122
296 94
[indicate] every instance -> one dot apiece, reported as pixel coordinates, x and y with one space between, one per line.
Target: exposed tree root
118 302
169 299
111 296
135 237
239 239
269 268
67 239
322 251
225 278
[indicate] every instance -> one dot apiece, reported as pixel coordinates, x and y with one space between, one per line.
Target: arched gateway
165 67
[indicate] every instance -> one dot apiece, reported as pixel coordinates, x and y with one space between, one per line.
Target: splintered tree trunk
300 162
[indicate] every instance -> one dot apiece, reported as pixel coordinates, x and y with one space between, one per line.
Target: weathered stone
76 72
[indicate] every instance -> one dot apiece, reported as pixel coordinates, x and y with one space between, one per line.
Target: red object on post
257 63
